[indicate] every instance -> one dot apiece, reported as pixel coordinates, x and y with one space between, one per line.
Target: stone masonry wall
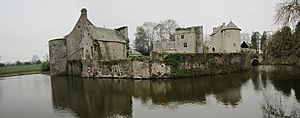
58 55
170 65
191 65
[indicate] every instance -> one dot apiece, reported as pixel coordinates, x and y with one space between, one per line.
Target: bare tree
150 30
166 29
288 12
46 57
34 59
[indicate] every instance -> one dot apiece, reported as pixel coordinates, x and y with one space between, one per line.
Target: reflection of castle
90 98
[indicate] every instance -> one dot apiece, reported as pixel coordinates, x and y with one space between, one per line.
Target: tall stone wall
74 67
171 65
58 55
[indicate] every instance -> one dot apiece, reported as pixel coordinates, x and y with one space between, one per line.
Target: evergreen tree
297 39
282 43
263 41
141 43
254 41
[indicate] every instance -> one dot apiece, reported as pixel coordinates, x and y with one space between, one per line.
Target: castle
94 52
79 51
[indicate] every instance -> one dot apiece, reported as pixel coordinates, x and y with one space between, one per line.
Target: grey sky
28 25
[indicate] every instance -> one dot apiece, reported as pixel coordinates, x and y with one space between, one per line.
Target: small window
213 49
78 27
182 36
184 44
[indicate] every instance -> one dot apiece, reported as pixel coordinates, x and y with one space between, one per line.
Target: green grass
20 69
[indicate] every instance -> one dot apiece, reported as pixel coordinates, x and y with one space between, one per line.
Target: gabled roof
245 45
217 30
104 34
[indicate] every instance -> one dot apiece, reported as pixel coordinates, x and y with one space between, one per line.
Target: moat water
265 91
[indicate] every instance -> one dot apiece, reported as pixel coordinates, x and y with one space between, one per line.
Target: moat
264 91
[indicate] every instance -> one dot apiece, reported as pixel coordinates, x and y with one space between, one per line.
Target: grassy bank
19 70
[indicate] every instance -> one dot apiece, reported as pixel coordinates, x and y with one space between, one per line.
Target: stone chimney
83 11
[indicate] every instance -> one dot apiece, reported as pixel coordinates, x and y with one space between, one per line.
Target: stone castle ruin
78 52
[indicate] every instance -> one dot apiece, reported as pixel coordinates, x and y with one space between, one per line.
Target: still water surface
265 91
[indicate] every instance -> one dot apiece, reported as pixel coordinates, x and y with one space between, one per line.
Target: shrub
45 66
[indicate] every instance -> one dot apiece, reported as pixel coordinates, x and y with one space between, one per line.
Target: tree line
285 42
35 60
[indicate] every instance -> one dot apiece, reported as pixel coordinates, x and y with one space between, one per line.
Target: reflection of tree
275 104
286 79
281 94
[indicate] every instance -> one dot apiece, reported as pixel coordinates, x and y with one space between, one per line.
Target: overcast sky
28 25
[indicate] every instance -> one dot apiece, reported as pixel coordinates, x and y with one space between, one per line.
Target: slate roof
104 34
245 45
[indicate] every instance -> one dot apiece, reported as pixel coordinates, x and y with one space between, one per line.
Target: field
19 70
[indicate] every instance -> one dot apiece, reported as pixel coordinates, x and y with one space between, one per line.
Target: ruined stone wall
190 65
113 69
58 54
74 67
171 65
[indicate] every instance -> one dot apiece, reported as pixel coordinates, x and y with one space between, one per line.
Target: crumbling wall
58 54
191 65
113 69
74 67
141 69
171 65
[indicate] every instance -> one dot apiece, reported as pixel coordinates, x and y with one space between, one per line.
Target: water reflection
276 92
110 98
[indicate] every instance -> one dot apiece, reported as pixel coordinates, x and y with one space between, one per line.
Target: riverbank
291 60
20 70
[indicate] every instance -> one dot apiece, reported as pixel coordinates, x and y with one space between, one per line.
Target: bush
45 66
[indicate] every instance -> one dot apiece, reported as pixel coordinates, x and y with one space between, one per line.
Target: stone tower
189 40
226 39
